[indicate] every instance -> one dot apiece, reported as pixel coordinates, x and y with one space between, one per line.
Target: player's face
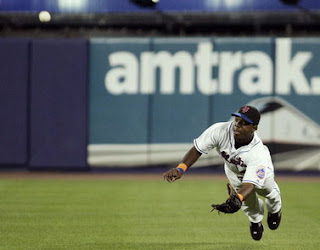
243 130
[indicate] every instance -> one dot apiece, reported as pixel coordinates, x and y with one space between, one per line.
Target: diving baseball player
248 167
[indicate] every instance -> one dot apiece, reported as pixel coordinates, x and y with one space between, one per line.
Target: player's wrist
240 197
182 167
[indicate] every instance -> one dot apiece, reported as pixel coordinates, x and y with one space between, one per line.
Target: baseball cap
249 114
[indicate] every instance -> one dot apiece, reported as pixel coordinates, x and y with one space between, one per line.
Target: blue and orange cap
249 114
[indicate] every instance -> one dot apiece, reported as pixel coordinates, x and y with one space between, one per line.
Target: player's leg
273 199
272 194
273 202
252 206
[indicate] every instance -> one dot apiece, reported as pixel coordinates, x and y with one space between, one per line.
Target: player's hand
231 205
172 175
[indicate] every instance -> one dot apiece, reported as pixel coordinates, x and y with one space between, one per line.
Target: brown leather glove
231 205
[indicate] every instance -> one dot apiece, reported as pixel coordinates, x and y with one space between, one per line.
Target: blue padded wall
14 74
58 104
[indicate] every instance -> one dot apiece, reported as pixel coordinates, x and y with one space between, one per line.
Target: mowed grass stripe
145 214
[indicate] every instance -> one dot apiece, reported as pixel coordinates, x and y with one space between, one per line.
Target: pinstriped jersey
251 163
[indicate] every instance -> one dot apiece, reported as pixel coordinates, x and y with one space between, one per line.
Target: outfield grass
145 214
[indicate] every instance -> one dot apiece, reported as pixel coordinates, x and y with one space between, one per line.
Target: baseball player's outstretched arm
188 160
245 190
235 199
191 157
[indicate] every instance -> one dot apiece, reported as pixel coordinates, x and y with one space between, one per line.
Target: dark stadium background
26 122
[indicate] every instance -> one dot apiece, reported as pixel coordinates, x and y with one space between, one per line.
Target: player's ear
255 127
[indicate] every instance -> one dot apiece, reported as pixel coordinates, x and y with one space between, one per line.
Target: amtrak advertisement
150 97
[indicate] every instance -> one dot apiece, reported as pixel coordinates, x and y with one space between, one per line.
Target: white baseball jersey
250 163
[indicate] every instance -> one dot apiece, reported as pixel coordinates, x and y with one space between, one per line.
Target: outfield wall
43 103
14 77
118 102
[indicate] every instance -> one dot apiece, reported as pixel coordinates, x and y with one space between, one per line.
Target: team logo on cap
245 109
261 173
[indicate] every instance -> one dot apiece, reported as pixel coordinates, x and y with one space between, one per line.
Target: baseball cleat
274 220
256 230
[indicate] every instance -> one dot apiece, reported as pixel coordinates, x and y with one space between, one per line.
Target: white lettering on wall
290 69
205 60
123 78
256 78
211 72
167 65
229 64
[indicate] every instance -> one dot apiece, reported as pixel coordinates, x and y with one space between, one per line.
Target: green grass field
146 214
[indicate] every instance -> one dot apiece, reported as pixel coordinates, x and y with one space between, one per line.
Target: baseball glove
231 205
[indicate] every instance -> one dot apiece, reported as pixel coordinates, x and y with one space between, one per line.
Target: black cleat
274 220
256 230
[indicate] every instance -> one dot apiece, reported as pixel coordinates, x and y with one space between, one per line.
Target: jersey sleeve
255 175
257 169
208 139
